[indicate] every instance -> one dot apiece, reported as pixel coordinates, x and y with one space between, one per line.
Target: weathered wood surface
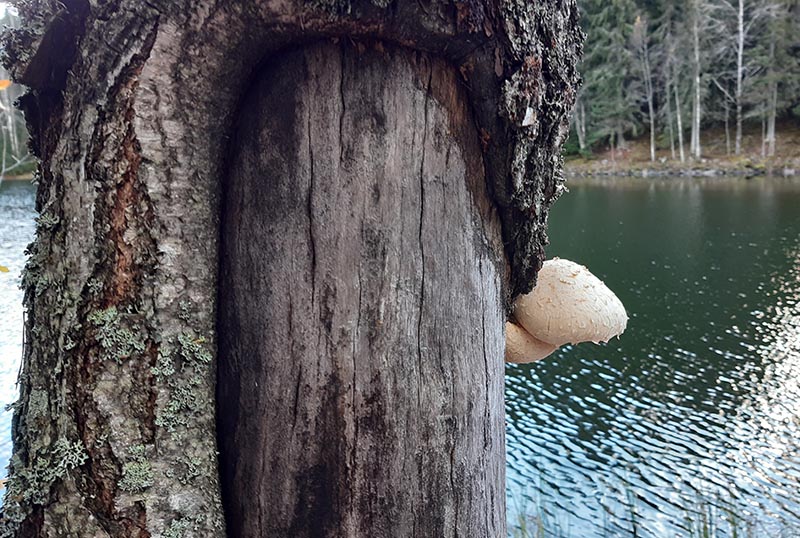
131 110
361 314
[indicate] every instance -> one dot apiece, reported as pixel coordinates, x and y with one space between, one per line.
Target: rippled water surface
692 417
691 421
16 231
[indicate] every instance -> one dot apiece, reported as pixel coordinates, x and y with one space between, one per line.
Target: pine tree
608 69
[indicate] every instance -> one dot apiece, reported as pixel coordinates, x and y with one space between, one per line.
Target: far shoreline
704 168
21 177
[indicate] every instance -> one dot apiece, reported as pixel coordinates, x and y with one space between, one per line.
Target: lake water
690 420
17 227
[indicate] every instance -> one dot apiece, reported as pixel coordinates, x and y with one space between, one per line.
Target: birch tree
744 15
701 22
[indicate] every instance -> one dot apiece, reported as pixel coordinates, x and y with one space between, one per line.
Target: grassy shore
635 159
701 517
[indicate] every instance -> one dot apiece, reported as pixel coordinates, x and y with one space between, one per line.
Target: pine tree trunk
360 308
613 150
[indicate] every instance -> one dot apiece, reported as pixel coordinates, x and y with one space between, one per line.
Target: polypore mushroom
522 347
568 305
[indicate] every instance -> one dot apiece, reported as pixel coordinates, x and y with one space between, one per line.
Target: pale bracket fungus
522 347
568 305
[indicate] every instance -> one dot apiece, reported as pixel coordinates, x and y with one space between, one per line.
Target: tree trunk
580 124
671 81
652 113
697 102
667 101
739 75
680 124
379 325
772 100
727 128
613 149
650 105
386 414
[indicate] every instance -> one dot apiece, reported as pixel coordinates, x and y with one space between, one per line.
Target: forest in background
670 74
672 71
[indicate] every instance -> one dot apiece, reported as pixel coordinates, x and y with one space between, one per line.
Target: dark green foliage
613 87
608 68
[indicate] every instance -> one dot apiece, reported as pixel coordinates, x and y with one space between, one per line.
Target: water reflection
692 417
16 231
690 421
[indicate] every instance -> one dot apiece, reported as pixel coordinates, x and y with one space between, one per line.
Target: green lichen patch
183 366
30 484
184 401
95 285
164 368
38 402
68 456
34 276
192 349
179 528
47 221
117 341
137 474
193 469
69 343
185 311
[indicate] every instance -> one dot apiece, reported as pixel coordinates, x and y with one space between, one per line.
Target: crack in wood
310 211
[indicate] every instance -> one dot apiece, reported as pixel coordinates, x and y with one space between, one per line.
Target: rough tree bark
134 108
